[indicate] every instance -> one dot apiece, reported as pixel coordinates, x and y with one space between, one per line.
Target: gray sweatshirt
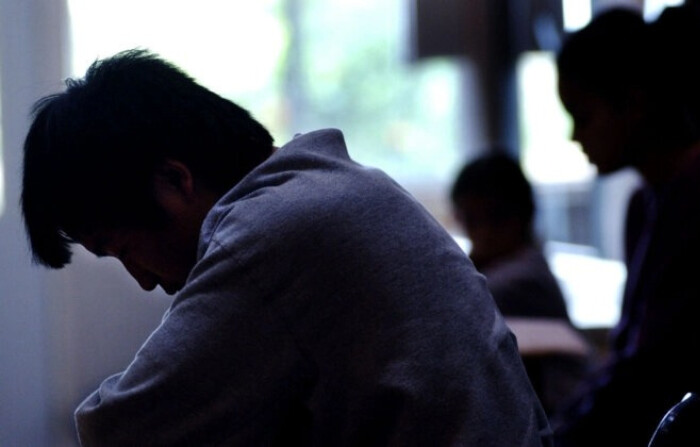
327 308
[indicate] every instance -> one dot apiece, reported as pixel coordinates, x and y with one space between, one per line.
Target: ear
173 183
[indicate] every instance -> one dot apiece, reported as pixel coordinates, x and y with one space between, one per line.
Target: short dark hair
607 56
91 151
497 176
618 52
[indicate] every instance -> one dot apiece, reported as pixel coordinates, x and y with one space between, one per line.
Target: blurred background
417 86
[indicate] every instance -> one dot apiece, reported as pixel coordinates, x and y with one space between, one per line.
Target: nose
145 279
575 133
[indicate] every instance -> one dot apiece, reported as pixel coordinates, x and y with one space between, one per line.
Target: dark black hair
607 56
91 151
618 53
674 40
497 177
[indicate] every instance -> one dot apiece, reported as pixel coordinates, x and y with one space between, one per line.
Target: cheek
169 253
173 259
603 140
594 137
484 236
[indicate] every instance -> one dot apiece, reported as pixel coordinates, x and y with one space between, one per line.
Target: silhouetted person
316 303
493 202
631 89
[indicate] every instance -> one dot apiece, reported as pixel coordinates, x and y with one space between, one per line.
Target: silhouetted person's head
131 156
630 87
493 202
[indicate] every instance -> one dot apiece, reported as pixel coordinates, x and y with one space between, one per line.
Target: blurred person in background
493 202
631 89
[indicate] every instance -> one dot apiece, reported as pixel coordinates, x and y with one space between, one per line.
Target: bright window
299 65
549 154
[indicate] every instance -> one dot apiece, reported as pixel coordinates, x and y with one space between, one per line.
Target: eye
113 244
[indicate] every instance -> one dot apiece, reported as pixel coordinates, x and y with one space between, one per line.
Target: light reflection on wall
2 179
2 186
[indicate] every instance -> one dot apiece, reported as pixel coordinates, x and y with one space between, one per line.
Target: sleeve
220 369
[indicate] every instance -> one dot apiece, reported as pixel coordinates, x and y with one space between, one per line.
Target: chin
606 163
169 289
605 167
604 170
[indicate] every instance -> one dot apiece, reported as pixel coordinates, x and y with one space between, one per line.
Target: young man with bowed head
631 88
316 303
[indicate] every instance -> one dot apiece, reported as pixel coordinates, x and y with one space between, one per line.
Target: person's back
493 202
630 90
316 302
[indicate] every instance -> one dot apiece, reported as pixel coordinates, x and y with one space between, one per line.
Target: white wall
61 331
